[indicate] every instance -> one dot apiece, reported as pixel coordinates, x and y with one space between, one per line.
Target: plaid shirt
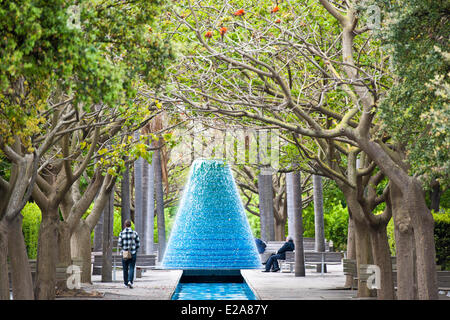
129 240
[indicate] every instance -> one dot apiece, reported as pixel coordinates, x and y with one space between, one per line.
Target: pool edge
176 284
258 297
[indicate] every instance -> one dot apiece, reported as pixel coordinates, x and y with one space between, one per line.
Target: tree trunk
423 224
157 165
125 195
22 283
138 189
148 209
108 223
361 230
363 248
435 197
351 248
98 234
290 211
404 241
406 278
4 279
294 207
47 255
363 255
319 227
149 215
81 229
64 256
410 197
265 191
382 258
81 248
98 230
369 246
280 229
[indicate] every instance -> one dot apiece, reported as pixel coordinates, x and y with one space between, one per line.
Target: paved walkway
154 285
286 286
160 285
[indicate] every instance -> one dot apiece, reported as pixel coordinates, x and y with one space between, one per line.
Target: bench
287 265
61 270
350 269
443 279
315 258
143 262
323 258
274 246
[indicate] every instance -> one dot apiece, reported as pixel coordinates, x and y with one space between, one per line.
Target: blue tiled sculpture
211 230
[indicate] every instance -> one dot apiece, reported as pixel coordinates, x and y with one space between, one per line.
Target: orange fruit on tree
240 12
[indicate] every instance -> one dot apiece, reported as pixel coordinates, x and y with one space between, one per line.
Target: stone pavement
154 285
285 286
160 284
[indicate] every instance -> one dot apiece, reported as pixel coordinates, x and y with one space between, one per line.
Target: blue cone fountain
211 230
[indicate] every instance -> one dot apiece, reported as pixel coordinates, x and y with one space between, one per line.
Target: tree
415 111
80 229
160 175
125 195
319 235
253 72
360 187
87 63
248 180
294 202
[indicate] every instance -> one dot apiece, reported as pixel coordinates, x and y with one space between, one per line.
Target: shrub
117 222
30 228
255 225
442 238
335 223
169 219
336 226
391 236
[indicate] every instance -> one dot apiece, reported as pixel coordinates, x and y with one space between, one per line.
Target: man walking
129 243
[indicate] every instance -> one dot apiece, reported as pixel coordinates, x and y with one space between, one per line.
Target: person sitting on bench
281 254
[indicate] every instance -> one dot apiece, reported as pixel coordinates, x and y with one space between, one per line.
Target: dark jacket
288 246
260 245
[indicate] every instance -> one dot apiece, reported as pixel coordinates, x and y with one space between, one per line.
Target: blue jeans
128 269
273 262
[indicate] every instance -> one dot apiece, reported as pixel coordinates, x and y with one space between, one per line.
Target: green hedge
30 227
442 238
335 223
391 236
